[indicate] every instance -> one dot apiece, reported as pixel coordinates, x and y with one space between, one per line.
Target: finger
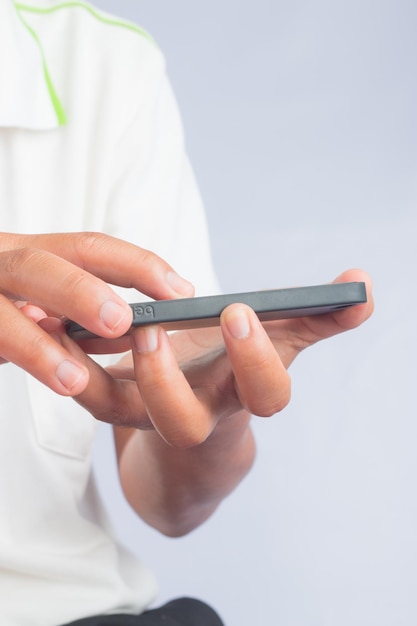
55 284
113 260
26 344
64 289
32 312
111 396
262 382
182 416
67 275
292 336
349 318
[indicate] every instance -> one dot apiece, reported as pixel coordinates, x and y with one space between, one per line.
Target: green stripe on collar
87 7
21 7
59 109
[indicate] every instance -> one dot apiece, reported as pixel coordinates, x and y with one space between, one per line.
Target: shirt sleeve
154 200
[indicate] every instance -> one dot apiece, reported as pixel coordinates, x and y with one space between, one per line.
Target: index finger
67 274
117 262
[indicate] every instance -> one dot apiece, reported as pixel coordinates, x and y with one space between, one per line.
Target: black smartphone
269 305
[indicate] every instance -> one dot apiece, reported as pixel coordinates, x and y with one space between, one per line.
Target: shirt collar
27 94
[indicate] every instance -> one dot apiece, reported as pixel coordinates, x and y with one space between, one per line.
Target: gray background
300 123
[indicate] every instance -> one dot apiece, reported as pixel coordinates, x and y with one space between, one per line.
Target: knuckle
117 408
277 404
300 336
16 268
113 415
153 382
11 241
74 281
109 411
38 346
271 402
90 241
149 261
186 439
184 429
14 261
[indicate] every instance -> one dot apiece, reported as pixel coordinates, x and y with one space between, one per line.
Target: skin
180 405
65 275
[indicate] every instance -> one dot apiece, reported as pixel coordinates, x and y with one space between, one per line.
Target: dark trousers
181 612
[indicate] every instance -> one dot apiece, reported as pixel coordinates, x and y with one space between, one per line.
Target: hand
182 386
188 399
65 275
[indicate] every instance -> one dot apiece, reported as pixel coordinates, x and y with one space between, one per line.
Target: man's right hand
66 276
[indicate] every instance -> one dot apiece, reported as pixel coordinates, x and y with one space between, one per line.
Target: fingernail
111 314
146 339
238 324
181 286
68 374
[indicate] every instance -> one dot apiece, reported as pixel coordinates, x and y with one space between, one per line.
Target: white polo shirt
90 139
